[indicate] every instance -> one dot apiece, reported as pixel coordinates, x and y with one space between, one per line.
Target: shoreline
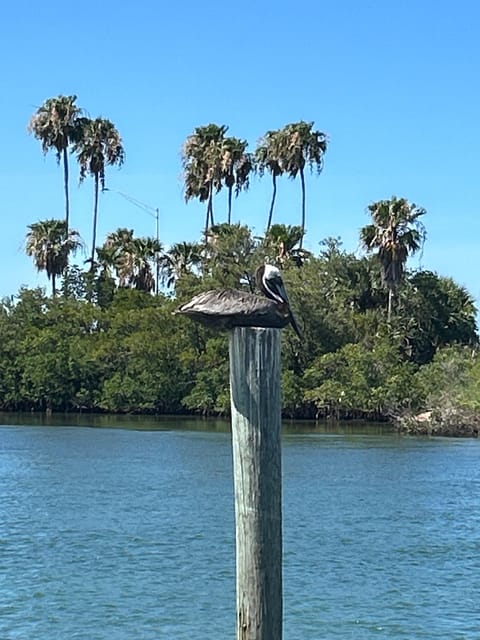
427 424
452 423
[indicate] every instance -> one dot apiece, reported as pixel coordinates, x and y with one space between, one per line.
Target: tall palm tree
202 165
395 233
55 124
301 146
49 243
236 166
267 158
99 145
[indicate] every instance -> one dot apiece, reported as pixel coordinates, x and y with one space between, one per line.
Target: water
116 534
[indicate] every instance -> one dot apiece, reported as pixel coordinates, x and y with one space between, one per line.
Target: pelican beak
281 291
278 288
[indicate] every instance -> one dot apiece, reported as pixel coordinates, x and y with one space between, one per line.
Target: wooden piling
255 372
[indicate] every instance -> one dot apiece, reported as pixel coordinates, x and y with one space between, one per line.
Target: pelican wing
227 308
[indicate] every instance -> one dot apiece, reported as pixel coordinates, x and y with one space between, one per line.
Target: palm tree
99 146
132 258
395 233
55 124
300 146
267 158
236 166
230 255
181 259
115 254
202 165
145 253
49 243
283 240
105 262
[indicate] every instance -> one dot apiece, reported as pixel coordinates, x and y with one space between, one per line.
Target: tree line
379 339
105 345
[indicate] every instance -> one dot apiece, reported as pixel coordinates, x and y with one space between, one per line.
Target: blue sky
395 85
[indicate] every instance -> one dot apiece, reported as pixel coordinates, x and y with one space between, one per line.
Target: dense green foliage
108 346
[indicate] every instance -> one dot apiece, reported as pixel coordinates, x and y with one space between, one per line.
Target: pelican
228 308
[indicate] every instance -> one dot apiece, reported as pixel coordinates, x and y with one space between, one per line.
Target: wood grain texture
255 372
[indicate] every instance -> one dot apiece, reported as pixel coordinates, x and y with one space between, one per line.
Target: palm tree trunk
230 190
211 211
302 181
390 304
210 204
65 182
272 204
95 212
67 213
207 218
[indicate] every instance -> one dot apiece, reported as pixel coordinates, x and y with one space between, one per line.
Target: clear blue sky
395 85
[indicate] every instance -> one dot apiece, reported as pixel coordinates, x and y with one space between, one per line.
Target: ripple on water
108 534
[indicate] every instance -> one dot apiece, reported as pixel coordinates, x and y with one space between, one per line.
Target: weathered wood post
255 371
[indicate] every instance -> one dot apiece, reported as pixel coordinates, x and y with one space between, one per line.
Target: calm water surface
116 534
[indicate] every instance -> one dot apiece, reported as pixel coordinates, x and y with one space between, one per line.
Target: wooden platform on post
255 383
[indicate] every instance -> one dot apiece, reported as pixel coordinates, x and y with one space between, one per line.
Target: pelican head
270 282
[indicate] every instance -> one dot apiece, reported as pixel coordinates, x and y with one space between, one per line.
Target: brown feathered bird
228 308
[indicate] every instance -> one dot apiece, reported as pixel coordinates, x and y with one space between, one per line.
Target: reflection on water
128 531
186 423
109 421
